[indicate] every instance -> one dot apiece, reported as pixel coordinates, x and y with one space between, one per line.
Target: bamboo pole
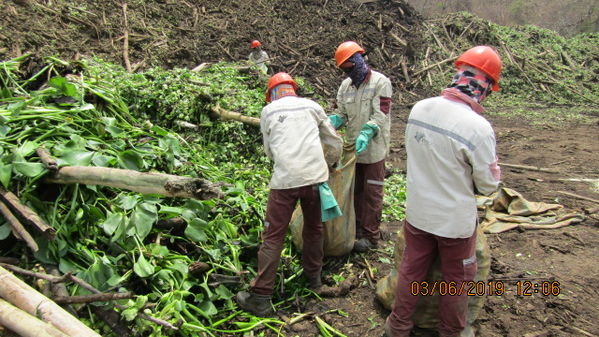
31 301
236 116
142 182
24 324
26 214
18 230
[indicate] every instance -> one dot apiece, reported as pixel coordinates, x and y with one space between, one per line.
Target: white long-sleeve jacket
294 130
451 157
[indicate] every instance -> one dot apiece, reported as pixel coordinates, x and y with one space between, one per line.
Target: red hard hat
256 43
484 58
346 50
279 78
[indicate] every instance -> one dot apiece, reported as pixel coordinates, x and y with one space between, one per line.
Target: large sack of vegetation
426 314
340 232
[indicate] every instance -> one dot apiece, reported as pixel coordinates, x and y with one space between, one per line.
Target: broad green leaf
208 308
181 267
196 230
102 160
28 169
143 217
142 267
4 130
5 231
114 130
127 201
130 160
75 158
223 292
112 222
65 88
170 210
27 149
159 131
5 174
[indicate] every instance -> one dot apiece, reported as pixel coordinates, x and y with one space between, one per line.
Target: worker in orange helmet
294 130
451 157
259 57
364 107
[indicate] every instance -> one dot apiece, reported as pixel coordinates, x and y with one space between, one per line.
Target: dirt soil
301 36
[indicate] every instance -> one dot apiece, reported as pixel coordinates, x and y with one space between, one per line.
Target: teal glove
337 121
329 208
368 131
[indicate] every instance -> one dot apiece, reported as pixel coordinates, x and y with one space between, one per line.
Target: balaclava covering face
472 82
358 72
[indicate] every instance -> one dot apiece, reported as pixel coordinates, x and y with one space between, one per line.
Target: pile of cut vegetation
125 187
540 66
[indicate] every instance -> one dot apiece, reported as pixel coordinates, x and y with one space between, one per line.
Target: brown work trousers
279 209
368 199
458 264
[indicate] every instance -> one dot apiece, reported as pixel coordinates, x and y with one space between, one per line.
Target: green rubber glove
368 131
337 121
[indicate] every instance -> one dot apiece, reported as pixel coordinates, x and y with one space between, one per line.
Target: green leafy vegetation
93 113
540 66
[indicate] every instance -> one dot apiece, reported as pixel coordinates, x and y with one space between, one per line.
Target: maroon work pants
458 264
279 209
368 199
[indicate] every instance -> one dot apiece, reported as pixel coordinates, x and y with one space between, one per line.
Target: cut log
24 324
236 116
102 297
531 168
18 230
26 214
142 182
47 159
31 301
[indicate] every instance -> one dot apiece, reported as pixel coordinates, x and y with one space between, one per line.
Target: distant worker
259 57
451 157
293 130
364 105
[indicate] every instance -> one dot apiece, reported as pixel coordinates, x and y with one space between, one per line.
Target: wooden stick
85 285
434 65
47 159
18 228
578 196
24 324
26 214
142 182
398 39
126 39
531 168
236 116
103 297
30 300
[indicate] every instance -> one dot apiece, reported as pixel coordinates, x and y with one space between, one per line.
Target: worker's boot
314 282
259 305
389 333
467 332
363 245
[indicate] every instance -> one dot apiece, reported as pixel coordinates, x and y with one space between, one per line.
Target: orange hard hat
256 43
484 58
279 78
346 50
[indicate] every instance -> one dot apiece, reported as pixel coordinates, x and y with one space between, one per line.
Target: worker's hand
368 131
336 121
362 143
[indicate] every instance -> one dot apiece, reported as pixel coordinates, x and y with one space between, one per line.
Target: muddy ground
187 33
567 255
